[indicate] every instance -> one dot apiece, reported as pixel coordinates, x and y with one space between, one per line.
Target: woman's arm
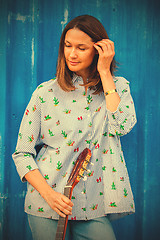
106 53
112 99
57 201
120 107
24 157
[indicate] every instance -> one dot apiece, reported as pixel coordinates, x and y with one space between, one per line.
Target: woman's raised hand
106 52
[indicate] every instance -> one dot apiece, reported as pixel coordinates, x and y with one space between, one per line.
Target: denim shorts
95 229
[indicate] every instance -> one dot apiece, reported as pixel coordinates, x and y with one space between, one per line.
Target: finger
67 201
62 202
108 47
67 204
107 40
60 213
101 46
109 43
64 209
98 48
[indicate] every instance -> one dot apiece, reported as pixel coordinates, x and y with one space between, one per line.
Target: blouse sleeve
28 137
124 118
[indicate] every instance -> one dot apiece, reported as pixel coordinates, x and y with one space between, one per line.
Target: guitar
75 176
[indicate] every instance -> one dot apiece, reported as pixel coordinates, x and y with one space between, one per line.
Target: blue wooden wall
29 37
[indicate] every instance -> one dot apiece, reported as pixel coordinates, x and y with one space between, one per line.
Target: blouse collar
76 78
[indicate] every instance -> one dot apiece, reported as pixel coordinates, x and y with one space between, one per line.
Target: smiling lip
73 63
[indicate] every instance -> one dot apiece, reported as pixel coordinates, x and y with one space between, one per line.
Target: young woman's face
79 52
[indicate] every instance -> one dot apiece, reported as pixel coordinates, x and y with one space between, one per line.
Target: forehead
76 36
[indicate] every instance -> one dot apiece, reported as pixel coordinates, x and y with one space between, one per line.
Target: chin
74 68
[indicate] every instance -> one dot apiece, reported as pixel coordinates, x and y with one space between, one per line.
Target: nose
73 53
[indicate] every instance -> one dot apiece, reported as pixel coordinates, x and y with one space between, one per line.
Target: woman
85 106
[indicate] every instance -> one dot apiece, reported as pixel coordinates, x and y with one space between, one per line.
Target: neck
84 76
62 222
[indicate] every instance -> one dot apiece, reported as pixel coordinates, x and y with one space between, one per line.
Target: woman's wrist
106 73
112 99
45 190
107 81
36 179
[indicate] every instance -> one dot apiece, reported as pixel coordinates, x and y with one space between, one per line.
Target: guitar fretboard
62 222
60 228
75 176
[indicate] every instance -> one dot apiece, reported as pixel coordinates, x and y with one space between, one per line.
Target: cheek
65 53
89 58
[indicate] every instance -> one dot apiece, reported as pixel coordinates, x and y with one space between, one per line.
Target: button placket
89 100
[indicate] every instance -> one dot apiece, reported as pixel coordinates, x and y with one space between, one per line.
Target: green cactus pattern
64 134
42 100
55 100
113 186
89 99
50 133
104 155
59 165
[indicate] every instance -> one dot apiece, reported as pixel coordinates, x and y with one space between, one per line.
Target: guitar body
75 176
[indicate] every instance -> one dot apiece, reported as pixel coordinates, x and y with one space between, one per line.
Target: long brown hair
95 30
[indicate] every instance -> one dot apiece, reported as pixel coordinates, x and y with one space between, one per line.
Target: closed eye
82 49
67 45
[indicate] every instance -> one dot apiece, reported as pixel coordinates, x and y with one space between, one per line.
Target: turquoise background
29 38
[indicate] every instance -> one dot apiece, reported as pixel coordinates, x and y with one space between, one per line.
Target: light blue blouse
63 124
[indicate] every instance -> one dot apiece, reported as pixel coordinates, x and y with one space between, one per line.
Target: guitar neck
75 176
62 222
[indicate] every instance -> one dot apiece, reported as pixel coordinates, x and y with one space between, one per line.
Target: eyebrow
80 44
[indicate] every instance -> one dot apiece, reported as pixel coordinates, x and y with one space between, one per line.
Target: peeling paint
9 18
28 30
3 196
32 55
19 17
1 163
6 195
98 3
65 19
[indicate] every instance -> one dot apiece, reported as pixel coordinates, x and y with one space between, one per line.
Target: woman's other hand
106 53
57 201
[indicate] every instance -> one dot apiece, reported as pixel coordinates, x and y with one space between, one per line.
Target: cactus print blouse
61 124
